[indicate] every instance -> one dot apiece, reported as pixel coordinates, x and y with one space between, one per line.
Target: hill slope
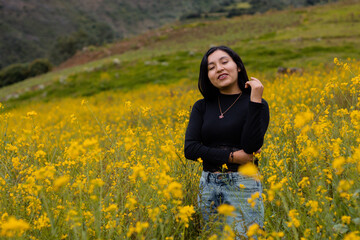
56 29
291 38
31 27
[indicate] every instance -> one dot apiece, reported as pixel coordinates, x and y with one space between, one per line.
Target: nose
219 68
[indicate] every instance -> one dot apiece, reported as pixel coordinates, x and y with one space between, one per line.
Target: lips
222 76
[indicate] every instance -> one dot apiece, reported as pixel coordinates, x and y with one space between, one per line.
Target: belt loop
231 179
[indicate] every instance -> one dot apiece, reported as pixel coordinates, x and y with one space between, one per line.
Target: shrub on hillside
192 15
39 66
13 73
20 71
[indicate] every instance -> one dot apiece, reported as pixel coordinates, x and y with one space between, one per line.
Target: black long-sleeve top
212 139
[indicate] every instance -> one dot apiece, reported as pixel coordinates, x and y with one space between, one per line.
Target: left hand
256 89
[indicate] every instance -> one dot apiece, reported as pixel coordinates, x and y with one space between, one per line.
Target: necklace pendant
221 116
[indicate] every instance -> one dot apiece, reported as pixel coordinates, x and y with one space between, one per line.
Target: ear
239 69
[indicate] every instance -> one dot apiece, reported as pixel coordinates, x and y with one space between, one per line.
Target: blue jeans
224 188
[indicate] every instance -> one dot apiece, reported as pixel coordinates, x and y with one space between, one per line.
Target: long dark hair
205 86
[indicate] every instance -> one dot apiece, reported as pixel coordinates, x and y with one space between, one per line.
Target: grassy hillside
294 38
57 29
111 166
38 29
95 151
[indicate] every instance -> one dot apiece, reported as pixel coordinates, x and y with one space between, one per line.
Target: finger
254 82
254 79
250 83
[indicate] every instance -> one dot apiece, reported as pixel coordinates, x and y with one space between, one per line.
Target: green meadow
95 151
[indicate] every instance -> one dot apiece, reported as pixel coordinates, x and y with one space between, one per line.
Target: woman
225 129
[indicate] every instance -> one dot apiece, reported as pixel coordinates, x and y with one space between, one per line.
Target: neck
230 92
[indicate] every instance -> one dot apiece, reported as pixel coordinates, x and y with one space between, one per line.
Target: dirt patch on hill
90 54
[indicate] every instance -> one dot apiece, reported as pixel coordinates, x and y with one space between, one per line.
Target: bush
39 66
240 11
13 73
20 71
193 15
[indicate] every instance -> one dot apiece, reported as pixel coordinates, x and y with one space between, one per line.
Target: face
223 72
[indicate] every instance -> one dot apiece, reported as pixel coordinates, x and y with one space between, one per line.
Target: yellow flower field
111 166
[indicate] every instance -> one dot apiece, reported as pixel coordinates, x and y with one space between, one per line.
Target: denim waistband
223 177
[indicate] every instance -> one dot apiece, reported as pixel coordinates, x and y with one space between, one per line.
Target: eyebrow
219 59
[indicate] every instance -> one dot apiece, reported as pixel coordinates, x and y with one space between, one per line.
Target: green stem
46 206
296 235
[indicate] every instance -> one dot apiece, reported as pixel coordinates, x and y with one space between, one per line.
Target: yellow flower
74 150
14 227
293 214
346 219
252 230
251 200
145 111
352 236
185 214
16 163
277 234
270 195
128 105
40 154
213 237
42 222
44 172
346 66
174 190
226 210
139 227
97 182
111 208
250 170
90 142
11 148
303 118
131 203
31 114
228 233
61 181
164 179
338 165
345 185
138 171
224 167
314 207
304 182
153 213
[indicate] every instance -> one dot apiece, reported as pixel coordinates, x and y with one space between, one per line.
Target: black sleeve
255 127
194 147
